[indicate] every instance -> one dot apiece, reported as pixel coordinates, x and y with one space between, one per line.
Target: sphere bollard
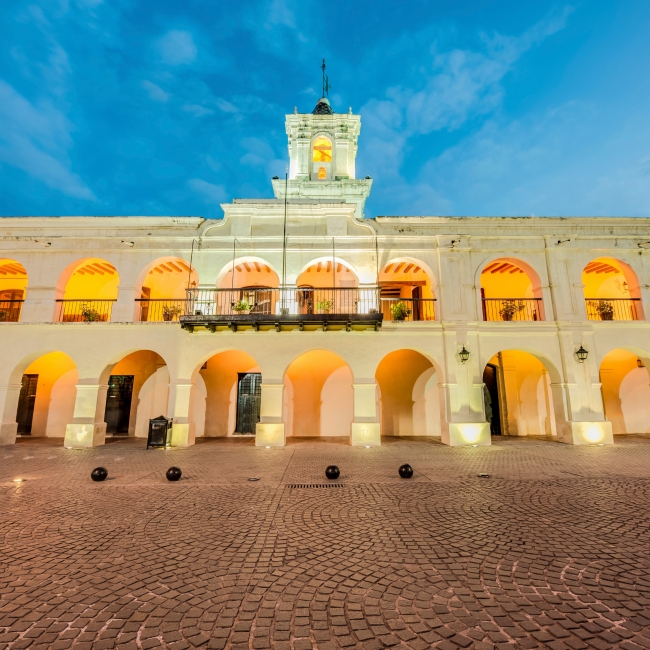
405 471
99 474
332 472
173 474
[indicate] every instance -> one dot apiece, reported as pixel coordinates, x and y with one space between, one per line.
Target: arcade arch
138 390
408 282
611 290
409 394
327 285
625 386
89 288
13 285
227 395
511 290
519 396
45 404
162 288
318 396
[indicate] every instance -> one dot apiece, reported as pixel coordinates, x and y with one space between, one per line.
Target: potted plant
324 306
605 310
510 308
241 307
400 311
4 315
170 312
88 314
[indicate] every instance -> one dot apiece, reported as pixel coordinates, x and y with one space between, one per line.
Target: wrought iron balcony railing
85 311
512 309
413 309
10 310
612 308
162 309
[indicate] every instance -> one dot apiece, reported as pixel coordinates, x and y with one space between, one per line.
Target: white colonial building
297 316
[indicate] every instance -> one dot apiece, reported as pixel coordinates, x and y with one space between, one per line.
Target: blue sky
119 107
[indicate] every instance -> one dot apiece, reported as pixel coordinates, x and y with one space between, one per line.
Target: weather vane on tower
326 81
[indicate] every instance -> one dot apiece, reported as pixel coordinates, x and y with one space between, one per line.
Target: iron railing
512 309
282 300
413 309
161 309
10 310
85 311
612 308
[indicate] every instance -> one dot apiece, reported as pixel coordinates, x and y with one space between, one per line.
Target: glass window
322 150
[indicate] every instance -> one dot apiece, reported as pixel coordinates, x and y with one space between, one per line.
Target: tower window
322 173
322 150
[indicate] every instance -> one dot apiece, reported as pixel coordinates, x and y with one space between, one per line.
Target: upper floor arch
511 290
330 272
611 290
248 271
407 290
13 287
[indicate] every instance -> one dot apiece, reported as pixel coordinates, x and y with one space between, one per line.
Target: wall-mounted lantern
464 355
582 354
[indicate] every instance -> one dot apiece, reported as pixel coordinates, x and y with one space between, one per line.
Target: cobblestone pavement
551 551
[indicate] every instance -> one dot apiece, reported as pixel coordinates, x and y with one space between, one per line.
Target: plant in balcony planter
605 310
241 307
400 311
510 308
89 314
170 312
4 315
324 306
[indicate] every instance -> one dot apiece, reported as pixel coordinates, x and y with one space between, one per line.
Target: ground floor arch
519 397
226 395
318 396
408 387
625 386
45 402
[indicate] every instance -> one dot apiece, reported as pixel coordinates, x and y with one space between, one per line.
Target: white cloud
155 92
211 193
177 47
37 139
197 111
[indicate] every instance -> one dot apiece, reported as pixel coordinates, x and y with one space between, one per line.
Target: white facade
424 388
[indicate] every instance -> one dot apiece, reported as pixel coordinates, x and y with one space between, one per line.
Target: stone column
87 428
366 429
9 394
124 307
178 408
269 431
40 304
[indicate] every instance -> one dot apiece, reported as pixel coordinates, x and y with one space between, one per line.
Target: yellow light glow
471 432
593 434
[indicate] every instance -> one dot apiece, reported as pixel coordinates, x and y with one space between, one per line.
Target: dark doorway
491 397
26 401
249 394
118 404
417 296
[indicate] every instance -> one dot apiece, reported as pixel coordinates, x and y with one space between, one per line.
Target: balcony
10 310
84 311
415 309
303 308
612 308
159 310
512 309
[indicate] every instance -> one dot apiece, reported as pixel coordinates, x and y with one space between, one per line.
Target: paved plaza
551 551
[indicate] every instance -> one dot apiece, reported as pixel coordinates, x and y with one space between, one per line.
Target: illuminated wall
327 273
55 393
528 399
93 279
506 279
409 395
249 273
405 275
13 277
626 392
220 378
606 277
169 279
318 397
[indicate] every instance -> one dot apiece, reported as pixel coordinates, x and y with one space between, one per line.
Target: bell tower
322 156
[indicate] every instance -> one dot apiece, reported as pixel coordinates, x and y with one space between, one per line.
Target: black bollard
332 472
173 474
99 474
405 471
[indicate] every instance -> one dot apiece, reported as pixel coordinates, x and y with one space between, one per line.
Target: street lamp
582 354
464 355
